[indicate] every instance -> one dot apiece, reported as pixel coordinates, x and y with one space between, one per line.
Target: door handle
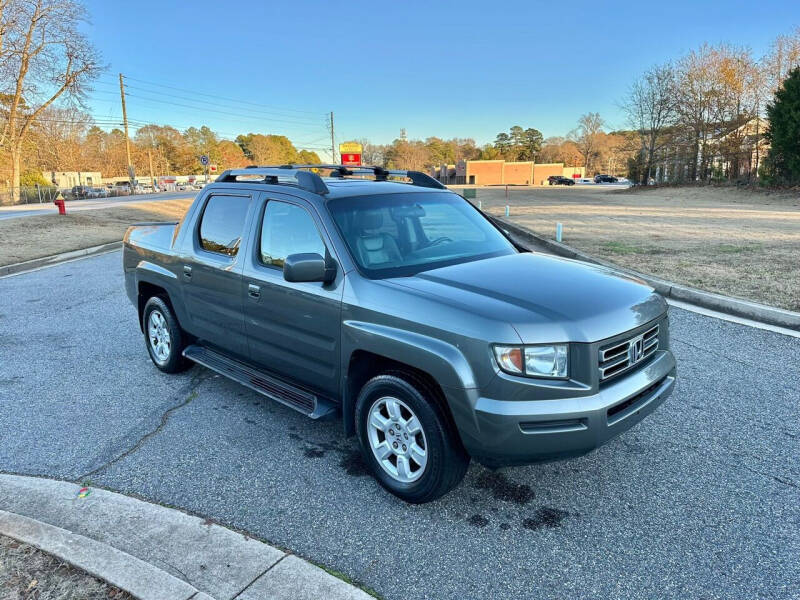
253 291
187 271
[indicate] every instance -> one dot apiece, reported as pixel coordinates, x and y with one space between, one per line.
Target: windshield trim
415 269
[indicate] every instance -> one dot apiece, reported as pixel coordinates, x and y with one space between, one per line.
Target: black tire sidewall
435 480
176 361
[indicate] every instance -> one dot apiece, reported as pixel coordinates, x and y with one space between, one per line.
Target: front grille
619 357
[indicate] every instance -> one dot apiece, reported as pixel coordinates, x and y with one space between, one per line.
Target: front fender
444 362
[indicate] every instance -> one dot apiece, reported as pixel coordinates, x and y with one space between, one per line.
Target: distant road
29 210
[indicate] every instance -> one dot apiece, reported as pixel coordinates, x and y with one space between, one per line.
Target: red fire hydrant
62 209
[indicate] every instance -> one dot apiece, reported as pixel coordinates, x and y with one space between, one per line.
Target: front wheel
412 449
163 336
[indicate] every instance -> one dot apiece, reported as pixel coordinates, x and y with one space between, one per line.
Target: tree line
702 116
706 115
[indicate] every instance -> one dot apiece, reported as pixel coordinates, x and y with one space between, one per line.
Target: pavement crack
267 570
187 392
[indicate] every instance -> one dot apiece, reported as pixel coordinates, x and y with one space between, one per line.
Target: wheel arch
373 349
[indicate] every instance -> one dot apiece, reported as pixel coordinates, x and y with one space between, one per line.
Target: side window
287 229
222 224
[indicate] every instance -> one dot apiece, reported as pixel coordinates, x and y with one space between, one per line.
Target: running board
302 401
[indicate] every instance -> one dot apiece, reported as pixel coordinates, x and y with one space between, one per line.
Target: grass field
732 241
27 238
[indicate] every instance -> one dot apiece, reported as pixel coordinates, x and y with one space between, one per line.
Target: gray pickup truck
383 299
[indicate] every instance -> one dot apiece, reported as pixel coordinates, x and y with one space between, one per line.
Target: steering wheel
438 241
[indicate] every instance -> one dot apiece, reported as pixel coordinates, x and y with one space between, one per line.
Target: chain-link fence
37 194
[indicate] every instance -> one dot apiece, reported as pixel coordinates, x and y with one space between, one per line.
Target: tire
402 471
163 336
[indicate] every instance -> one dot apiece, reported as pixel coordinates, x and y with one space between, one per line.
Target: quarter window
287 229
222 224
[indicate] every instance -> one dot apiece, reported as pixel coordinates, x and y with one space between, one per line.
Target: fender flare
444 362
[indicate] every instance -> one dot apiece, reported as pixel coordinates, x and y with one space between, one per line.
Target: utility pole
333 143
150 158
125 123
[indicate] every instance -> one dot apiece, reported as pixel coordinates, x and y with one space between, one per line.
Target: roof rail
418 178
305 180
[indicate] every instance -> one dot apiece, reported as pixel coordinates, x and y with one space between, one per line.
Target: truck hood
546 299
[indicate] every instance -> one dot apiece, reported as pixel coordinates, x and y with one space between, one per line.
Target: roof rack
418 178
312 182
305 180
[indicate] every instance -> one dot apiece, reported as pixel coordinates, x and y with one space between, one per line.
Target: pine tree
783 161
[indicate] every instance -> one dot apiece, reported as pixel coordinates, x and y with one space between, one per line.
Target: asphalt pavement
700 500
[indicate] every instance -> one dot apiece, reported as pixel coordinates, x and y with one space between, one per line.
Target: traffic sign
350 153
204 160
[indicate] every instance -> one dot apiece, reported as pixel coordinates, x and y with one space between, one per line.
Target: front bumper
514 432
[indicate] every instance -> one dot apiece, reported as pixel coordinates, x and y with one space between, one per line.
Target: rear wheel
163 336
412 449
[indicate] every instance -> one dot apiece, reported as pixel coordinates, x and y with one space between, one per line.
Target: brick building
500 172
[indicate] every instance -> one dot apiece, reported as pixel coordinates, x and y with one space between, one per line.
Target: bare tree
783 56
43 58
585 137
651 108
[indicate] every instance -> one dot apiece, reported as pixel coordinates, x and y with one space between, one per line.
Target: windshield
397 235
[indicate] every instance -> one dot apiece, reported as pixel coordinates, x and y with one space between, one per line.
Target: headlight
534 361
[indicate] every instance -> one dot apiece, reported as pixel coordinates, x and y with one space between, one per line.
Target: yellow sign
350 148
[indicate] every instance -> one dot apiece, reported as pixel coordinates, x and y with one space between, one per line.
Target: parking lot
702 499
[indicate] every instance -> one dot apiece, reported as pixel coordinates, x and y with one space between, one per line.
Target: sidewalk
154 552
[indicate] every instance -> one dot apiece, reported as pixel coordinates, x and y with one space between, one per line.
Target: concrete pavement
702 499
155 552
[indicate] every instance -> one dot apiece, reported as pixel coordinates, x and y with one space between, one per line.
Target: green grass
732 249
621 248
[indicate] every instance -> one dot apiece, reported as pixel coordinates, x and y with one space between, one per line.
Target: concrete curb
154 552
47 261
725 304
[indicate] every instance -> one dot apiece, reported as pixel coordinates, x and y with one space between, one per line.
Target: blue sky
467 69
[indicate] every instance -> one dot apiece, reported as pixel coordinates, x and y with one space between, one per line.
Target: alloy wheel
397 439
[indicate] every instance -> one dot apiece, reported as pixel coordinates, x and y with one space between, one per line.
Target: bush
31 177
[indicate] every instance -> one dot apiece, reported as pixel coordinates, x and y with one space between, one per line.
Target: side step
301 400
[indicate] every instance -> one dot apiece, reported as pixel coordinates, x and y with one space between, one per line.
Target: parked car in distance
80 191
122 188
605 179
98 192
403 311
560 180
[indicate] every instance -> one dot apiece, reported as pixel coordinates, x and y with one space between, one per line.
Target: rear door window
222 224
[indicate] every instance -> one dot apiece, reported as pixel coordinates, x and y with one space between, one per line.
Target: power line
206 102
145 82
222 112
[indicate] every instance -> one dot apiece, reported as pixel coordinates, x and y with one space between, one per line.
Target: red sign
351 160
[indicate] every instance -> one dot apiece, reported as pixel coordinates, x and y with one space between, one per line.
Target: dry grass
732 241
26 238
29 574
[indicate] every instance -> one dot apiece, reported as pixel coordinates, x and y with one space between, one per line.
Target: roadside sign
204 160
350 153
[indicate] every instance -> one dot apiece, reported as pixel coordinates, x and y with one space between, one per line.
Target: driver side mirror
307 267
